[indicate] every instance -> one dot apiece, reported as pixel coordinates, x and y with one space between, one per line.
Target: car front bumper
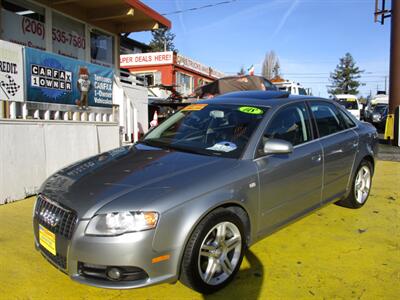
127 250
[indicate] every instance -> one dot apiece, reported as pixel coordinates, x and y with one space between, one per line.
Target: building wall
52 40
166 71
31 151
168 74
174 68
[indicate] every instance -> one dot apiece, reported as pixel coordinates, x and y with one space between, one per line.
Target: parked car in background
292 87
187 200
350 102
380 98
379 116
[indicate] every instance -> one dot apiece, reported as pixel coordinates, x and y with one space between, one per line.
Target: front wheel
214 252
361 187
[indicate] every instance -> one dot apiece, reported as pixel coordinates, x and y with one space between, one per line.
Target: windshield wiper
190 150
153 143
158 144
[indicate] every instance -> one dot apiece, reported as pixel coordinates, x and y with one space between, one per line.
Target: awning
117 16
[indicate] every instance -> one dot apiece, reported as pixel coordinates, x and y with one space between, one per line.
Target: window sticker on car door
223 147
251 110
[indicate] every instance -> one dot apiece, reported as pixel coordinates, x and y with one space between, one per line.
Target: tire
360 188
221 255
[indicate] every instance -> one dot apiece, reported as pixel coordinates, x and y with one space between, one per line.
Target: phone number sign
29 32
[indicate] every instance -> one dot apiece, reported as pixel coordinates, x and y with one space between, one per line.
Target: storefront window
68 37
23 23
101 48
184 83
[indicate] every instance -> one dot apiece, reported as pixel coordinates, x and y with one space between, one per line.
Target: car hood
146 173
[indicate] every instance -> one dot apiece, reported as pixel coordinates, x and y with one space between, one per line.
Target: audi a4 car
187 200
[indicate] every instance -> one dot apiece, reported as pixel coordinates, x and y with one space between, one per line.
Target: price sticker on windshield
194 107
251 110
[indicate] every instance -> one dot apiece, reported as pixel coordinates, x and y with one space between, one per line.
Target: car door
339 143
290 184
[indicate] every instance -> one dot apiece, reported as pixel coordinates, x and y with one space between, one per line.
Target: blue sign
54 78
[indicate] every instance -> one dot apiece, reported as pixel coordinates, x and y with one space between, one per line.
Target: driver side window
291 124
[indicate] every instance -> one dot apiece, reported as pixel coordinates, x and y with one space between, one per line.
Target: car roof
345 96
259 98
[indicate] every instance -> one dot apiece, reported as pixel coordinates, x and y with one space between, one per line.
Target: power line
368 74
198 8
319 77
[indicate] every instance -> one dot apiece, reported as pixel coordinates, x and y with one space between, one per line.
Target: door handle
316 157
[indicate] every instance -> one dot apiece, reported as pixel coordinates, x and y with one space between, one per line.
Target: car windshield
349 104
208 129
380 109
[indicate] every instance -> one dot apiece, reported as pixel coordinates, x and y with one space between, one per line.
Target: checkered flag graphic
9 88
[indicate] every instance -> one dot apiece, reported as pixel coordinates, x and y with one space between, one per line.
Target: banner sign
146 59
54 78
216 74
11 72
192 64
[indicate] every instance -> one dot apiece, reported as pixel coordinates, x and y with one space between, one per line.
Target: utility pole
394 75
392 123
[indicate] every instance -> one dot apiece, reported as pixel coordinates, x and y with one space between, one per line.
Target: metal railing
128 78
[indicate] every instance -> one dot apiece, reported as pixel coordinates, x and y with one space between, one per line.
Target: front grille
55 217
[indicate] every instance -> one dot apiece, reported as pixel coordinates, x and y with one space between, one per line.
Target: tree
345 77
270 66
242 71
277 69
163 40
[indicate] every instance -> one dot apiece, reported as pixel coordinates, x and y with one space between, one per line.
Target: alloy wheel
362 184
219 253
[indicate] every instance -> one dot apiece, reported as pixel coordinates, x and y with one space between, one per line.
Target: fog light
114 273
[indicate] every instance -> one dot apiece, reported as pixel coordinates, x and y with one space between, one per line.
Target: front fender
176 225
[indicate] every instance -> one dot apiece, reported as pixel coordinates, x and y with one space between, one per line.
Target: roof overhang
116 16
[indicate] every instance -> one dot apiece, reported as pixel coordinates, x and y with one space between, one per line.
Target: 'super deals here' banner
54 78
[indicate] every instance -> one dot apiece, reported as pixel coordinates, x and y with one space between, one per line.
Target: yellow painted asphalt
335 253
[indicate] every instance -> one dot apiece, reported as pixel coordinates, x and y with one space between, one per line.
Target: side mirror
277 146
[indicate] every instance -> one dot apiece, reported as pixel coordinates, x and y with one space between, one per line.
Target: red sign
146 59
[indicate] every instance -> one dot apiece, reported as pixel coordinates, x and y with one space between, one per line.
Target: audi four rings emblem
49 217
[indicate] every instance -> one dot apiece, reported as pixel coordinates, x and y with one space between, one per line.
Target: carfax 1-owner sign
11 72
54 78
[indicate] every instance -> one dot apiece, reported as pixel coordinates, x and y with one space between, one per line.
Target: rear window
328 118
347 119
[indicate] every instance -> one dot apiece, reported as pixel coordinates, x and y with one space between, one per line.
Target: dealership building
61 97
171 69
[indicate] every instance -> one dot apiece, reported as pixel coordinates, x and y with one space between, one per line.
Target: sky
308 36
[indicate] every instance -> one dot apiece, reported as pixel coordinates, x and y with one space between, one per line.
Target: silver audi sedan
187 200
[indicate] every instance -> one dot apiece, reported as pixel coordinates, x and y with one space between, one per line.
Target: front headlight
117 223
376 117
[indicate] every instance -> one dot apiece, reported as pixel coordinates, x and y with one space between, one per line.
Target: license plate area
47 239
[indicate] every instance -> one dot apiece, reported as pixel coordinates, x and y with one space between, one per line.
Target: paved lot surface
335 253
388 152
